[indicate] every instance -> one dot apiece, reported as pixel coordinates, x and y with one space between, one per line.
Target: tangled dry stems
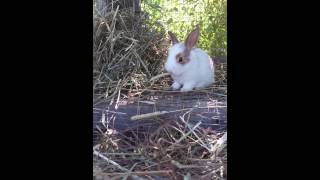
172 151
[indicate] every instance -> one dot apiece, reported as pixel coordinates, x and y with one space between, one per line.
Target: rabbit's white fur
197 73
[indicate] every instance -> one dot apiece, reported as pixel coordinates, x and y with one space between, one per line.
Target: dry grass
127 53
128 58
173 151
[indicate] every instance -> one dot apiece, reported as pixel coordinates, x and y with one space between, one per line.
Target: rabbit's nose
168 69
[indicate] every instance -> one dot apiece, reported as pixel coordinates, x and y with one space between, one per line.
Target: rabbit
190 67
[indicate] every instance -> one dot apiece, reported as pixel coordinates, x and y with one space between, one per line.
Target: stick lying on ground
158 113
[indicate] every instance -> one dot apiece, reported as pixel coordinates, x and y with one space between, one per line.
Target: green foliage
182 16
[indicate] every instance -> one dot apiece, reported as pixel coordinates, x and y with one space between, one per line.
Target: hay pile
127 53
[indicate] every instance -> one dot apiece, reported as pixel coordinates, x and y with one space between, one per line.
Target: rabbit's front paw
187 87
175 86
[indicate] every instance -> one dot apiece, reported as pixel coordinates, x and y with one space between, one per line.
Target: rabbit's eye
180 59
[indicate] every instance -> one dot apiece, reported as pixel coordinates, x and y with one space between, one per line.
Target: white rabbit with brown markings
189 67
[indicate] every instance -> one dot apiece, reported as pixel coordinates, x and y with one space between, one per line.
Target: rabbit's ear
192 38
173 38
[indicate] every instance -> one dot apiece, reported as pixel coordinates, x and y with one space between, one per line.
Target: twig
166 172
115 112
154 114
115 91
191 129
220 145
143 64
109 161
129 172
118 99
158 113
185 135
147 102
123 154
159 76
148 115
181 166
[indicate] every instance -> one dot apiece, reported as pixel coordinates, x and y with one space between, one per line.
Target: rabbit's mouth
171 73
